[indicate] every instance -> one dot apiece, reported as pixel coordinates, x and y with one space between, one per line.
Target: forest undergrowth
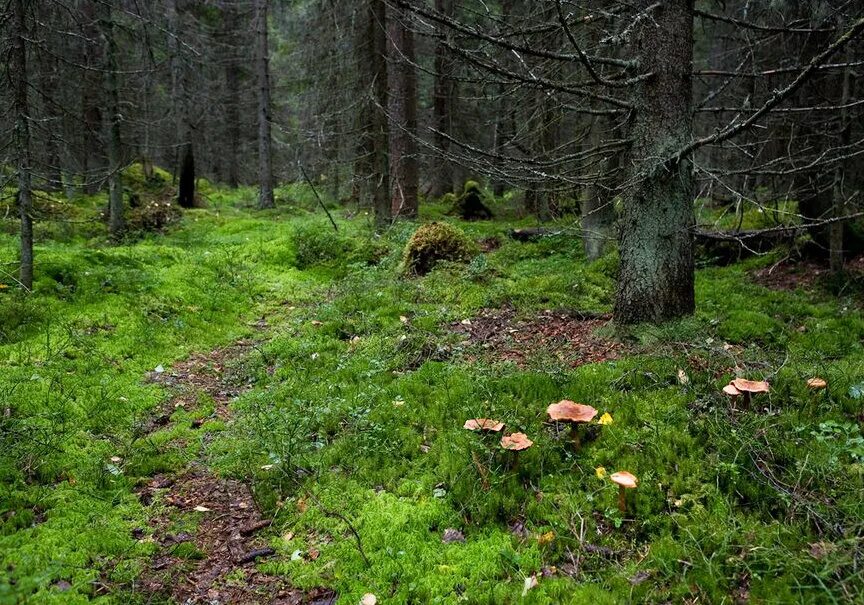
348 428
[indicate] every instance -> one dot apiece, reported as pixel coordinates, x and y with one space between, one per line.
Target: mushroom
574 413
816 383
516 442
482 425
733 393
747 387
625 481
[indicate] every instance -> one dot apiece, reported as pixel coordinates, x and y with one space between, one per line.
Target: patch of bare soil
218 565
568 335
802 274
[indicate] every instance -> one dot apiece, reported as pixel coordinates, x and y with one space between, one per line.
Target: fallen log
254 554
530 234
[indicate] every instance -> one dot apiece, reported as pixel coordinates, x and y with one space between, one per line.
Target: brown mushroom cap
750 386
483 424
516 442
730 390
816 383
624 479
568 411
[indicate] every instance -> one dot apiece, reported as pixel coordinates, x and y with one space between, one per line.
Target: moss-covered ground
360 390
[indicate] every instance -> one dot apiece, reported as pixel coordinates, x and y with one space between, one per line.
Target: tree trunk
186 188
21 110
378 127
403 116
835 230
442 110
265 157
597 208
91 148
115 180
656 244
232 100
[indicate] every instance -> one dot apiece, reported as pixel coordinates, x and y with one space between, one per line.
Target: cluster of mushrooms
745 389
578 416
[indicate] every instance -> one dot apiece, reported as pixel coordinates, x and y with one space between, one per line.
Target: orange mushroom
625 481
483 425
816 383
515 442
574 413
748 387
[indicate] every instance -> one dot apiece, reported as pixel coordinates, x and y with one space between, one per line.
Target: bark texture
403 116
112 86
656 243
265 152
18 64
444 92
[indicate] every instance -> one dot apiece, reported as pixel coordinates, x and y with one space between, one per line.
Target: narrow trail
226 543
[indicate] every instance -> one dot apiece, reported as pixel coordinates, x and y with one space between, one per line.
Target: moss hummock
432 243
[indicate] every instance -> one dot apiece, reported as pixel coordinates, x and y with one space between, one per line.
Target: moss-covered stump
432 243
470 205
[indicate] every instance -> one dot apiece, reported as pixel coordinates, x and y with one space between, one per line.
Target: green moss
364 412
433 243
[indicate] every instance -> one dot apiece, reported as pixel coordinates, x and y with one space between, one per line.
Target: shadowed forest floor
254 408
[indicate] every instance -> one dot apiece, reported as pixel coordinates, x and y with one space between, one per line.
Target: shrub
432 243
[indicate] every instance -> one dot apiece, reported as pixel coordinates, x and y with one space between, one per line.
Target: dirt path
224 545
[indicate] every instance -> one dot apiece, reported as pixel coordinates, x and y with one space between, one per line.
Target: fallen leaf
530 582
403 319
683 378
369 599
201 509
546 538
466 322
314 554
159 369
301 505
116 459
266 467
297 555
605 419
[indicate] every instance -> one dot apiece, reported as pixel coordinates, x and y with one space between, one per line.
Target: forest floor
252 408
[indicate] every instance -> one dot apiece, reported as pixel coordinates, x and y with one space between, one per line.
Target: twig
317 197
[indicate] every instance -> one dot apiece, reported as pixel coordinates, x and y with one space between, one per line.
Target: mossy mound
432 243
154 216
470 206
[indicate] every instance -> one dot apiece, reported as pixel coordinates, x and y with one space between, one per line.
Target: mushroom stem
576 437
622 500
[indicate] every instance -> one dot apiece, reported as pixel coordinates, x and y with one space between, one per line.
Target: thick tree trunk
265 157
371 165
403 116
656 244
442 110
21 110
115 180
